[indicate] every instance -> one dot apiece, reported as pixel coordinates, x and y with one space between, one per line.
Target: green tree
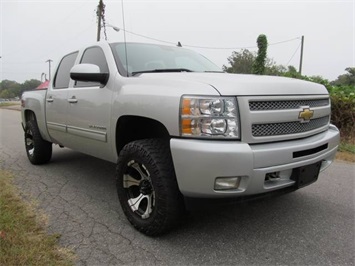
28 85
9 85
260 61
12 89
347 79
272 69
7 94
292 73
240 62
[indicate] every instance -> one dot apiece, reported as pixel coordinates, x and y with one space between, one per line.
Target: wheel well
29 115
130 128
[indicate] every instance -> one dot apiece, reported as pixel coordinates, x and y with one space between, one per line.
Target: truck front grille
285 128
288 104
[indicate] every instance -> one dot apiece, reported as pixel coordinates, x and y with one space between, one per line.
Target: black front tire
38 150
147 186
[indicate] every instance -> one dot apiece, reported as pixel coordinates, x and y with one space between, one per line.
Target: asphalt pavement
311 226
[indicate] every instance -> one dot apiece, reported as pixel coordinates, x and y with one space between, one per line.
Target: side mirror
88 72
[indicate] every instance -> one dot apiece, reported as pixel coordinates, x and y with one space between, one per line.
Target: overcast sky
33 31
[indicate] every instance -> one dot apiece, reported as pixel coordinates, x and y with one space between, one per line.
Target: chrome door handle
50 99
73 100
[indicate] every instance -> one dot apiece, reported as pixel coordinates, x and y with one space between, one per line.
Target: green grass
346 151
347 147
4 104
23 240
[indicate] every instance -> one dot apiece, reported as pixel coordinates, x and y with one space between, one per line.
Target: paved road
312 226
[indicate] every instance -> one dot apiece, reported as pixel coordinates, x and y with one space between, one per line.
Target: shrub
343 110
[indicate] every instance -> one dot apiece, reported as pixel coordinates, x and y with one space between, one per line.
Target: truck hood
244 85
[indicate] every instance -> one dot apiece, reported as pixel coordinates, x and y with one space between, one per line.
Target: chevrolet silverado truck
178 127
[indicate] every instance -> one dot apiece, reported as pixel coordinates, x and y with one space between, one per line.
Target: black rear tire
38 150
147 186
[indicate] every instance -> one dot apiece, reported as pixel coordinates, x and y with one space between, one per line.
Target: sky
31 32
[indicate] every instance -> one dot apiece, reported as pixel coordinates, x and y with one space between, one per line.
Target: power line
207 47
239 48
298 47
149 38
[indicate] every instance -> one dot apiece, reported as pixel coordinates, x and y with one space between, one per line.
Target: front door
89 111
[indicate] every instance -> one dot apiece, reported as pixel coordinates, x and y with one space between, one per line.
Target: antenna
124 37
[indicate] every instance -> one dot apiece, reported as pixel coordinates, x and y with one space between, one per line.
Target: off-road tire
149 161
38 150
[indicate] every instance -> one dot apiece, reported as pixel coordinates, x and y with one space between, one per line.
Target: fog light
226 183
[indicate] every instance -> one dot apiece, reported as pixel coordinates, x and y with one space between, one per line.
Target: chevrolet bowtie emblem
306 114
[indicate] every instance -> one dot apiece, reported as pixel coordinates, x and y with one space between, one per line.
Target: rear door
89 110
57 100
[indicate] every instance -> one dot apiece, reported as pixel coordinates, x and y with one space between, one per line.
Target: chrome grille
289 104
273 129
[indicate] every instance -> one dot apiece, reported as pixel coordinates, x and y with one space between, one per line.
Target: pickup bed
178 127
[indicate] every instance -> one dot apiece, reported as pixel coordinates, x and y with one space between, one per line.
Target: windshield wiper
213 71
162 70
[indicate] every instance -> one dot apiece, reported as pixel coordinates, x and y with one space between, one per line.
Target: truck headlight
209 117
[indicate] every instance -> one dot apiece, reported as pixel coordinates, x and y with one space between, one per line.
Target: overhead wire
207 47
298 47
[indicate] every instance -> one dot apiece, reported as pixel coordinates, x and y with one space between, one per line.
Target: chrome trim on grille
282 124
274 129
289 104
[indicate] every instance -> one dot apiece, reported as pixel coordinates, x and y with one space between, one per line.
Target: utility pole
49 65
99 17
301 57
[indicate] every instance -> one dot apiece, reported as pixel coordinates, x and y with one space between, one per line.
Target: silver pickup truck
178 127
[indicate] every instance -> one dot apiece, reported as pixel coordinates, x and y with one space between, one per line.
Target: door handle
73 99
50 99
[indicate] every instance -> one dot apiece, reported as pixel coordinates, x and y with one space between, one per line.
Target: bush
343 110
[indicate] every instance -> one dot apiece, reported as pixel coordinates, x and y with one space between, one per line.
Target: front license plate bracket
305 175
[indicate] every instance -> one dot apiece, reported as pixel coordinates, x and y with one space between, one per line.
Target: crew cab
178 127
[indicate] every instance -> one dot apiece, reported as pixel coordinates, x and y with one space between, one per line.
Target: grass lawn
23 240
346 152
5 104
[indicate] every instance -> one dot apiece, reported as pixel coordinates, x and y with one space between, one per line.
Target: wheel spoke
139 170
129 181
29 141
135 202
29 138
149 209
30 152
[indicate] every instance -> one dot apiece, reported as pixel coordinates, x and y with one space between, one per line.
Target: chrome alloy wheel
29 142
139 189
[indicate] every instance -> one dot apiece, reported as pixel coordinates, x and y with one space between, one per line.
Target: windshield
159 58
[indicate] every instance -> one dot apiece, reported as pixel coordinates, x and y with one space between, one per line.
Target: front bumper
199 162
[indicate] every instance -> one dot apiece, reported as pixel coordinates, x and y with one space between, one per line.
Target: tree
12 89
346 79
28 85
292 73
240 62
272 69
260 61
7 94
8 85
